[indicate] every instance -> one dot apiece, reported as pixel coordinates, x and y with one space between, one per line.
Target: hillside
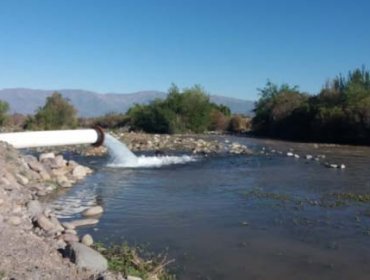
90 104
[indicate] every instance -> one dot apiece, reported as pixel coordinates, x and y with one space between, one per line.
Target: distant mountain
91 104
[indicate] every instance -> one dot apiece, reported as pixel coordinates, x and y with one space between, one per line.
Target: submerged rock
83 222
93 211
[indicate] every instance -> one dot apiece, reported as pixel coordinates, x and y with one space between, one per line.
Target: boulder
34 209
79 172
87 258
22 179
87 240
46 156
36 166
44 223
63 181
70 238
68 226
93 211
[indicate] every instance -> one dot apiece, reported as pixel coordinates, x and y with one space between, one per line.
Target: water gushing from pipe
121 156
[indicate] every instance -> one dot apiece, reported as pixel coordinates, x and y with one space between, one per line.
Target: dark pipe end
101 136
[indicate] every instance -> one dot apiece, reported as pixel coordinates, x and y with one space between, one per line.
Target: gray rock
45 175
34 209
44 223
46 156
70 238
289 154
56 223
93 211
15 220
68 226
83 222
60 162
36 166
87 240
79 172
22 179
63 181
71 231
87 258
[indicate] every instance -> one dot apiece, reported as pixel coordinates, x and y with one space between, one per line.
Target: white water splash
121 156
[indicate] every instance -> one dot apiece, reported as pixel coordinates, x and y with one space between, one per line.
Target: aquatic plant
126 260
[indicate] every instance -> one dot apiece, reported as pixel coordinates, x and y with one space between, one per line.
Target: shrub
57 113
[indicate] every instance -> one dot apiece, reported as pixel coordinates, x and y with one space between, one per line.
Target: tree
4 108
186 111
57 113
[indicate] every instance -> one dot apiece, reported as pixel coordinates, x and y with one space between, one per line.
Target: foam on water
121 156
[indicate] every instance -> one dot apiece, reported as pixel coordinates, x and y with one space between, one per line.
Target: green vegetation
125 259
57 113
4 108
186 111
339 113
110 120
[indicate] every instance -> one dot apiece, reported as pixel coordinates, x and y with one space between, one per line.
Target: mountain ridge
92 104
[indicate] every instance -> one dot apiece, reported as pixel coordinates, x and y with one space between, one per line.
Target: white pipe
34 139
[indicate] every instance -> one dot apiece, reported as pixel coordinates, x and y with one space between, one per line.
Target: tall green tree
188 110
4 108
57 113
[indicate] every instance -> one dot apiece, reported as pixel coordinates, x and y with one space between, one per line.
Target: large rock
79 172
44 223
46 156
87 258
87 240
34 208
63 181
22 179
93 211
34 164
70 238
83 222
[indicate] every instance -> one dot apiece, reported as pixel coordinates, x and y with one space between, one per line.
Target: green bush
57 113
4 108
186 111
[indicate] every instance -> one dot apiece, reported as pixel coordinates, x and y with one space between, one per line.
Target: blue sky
230 47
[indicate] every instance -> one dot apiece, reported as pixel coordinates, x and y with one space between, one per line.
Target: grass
126 260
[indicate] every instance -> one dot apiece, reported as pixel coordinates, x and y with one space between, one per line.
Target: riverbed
261 216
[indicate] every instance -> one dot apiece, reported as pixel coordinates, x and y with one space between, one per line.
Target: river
265 216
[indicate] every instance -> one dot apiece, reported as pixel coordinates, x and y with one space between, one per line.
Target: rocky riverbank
34 244
165 143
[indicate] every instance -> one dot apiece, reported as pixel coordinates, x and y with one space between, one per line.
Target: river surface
265 216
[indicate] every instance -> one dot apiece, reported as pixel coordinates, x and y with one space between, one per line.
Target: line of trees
340 113
189 110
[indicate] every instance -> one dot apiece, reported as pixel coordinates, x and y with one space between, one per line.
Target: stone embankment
34 243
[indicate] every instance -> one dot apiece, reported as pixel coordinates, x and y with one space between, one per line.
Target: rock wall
34 244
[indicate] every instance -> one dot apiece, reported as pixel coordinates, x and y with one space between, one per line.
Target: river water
265 216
